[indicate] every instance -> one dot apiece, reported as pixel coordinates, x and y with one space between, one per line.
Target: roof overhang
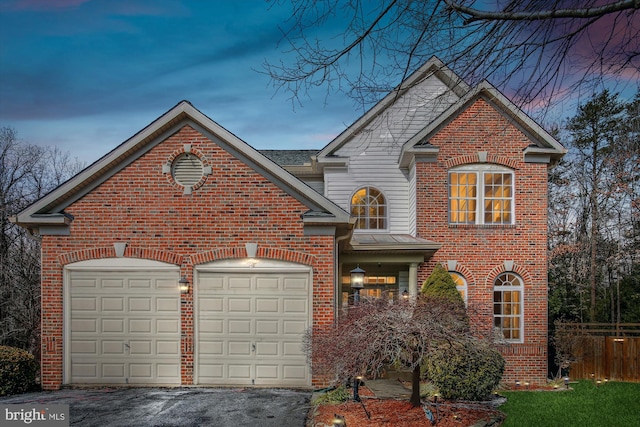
400 247
49 210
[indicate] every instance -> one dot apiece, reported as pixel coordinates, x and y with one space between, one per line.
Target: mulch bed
400 413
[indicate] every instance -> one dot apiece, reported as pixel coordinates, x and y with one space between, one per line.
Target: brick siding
144 207
480 251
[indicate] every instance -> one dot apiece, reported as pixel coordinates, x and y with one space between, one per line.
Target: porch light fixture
357 282
183 283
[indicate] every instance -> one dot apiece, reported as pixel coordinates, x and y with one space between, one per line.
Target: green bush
333 397
469 371
18 370
440 284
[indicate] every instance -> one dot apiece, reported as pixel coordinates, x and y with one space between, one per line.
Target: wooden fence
605 351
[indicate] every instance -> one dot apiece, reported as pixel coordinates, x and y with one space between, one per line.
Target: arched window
507 306
461 284
369 207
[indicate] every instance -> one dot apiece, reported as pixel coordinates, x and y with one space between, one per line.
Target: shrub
469 371
332 397
440 284
18 370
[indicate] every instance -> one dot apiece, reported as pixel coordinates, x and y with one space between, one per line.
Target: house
185 256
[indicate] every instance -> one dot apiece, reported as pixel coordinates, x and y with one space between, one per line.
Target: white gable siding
412 201
373 153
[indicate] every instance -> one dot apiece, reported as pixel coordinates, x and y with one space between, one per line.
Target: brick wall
144 207
480 251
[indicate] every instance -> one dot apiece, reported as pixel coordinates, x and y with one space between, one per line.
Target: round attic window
187 169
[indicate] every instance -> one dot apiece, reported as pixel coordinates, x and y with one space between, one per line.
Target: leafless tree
27 172
375 334
536 51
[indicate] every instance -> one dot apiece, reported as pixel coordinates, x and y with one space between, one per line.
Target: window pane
368 205
462 193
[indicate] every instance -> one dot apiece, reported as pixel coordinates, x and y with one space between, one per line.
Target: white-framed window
507 306
369 206
481 194
461 284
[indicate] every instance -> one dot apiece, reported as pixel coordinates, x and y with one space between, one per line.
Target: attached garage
250 322
122 322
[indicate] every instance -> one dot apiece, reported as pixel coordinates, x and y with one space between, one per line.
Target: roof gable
433 67
49 210
544 148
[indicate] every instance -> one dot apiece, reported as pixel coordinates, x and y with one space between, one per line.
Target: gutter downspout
336 274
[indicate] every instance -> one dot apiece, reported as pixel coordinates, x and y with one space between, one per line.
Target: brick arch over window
470 159
130 252
266 253
517 269
463 270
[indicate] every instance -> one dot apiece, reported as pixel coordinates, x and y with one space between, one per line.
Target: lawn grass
611 404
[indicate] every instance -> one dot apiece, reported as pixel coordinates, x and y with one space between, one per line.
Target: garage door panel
296 305
84 347
168 326
84 325
239 326
268 348
211 326
85 370
239 371
167 305
140 284
295 284
267 305
239 305
249 327
292 349
267 283
112 347
140 305
113 370
112 283
85 283
293 327
214 305
112 304
239 348
84 304
265 327
239 283
167 348
134 336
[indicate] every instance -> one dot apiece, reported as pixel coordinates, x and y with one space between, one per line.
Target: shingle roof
289 157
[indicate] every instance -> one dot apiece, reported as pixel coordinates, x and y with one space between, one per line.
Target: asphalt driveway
214 407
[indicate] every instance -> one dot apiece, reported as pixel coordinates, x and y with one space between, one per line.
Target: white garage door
123 326
250 326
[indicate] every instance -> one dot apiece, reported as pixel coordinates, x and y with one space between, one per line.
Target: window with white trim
369 206
461 284
507 306
481 194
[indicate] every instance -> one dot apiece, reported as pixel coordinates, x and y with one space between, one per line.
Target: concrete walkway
388 389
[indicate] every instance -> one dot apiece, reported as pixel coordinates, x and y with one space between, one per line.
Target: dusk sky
85 75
